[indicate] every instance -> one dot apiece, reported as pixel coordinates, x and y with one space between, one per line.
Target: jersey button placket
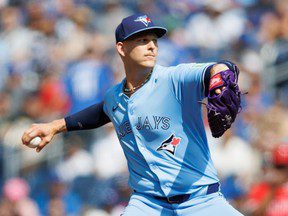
140 145
131 108
131 111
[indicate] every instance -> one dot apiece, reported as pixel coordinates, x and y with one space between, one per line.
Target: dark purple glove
223 108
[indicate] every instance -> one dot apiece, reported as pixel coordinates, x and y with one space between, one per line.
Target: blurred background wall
58 57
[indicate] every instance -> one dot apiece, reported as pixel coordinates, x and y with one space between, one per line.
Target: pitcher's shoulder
164 70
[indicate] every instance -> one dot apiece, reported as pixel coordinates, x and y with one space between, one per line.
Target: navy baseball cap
134 24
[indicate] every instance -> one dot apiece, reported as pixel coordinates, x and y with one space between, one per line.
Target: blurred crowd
58 57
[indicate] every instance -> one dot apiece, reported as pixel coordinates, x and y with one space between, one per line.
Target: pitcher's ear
120 48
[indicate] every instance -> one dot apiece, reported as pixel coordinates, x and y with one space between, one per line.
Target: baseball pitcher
156 112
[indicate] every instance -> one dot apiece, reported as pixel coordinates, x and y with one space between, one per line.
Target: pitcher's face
141 49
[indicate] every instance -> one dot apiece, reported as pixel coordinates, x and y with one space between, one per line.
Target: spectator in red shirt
270 197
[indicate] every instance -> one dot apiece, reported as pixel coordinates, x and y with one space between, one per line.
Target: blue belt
212 188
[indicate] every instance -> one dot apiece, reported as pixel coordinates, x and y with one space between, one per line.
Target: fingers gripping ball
223 108
35 142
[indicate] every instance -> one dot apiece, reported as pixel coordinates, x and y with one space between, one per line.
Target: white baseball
34 142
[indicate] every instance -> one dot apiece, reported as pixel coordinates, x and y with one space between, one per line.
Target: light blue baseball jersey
161 131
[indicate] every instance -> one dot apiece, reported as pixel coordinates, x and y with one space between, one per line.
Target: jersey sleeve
189 81
89 118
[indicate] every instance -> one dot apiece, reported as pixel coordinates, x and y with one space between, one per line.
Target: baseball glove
223 108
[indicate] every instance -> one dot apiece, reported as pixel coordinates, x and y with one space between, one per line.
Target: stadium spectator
16 199
269 197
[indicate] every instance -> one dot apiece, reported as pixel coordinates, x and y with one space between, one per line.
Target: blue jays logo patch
170 144
144 19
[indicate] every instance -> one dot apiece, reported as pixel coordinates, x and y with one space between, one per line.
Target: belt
212 188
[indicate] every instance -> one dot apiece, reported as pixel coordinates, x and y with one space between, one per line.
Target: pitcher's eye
143 40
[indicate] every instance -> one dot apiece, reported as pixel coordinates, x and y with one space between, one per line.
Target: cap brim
159 31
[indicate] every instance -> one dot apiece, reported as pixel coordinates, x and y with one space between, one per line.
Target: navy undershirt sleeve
89 118
207 79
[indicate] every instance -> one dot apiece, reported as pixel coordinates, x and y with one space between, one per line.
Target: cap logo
144 19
